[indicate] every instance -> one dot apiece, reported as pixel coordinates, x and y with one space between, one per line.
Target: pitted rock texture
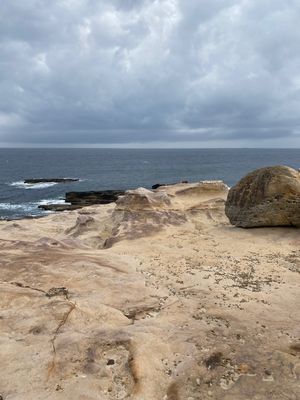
180 306
266 197
205 188
143 199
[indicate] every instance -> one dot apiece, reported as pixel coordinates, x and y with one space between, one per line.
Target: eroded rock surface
266 197
189 310
142 199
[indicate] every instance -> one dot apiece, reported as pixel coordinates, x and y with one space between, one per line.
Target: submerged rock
50 180
266 197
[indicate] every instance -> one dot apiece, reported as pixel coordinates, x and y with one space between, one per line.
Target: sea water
100 169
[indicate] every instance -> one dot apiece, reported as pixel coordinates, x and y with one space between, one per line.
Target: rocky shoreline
76 200
154 296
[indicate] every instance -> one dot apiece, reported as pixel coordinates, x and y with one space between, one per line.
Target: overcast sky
164 73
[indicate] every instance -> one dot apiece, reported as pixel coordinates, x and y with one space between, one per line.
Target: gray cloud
124 71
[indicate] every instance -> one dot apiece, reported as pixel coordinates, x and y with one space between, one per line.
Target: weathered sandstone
266 197
143 199
153 298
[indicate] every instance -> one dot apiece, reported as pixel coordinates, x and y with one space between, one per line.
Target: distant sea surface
100 169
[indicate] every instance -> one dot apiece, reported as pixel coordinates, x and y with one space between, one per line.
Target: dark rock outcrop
266 197
50 180
157 185
76 200
93 197
58 207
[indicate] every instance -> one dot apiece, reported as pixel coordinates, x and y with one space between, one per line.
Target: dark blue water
101 169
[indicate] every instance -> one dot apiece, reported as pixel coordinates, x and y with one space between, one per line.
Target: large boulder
266 197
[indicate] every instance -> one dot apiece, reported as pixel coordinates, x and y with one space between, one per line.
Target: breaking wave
23 185
31 208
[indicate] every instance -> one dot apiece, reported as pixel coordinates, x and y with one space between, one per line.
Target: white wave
51 201
29 207
25 207
23 185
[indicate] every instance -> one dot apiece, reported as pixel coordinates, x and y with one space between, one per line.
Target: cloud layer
139 71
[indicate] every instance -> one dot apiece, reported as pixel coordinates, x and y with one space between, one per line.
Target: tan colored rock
83 224
204 188
170 311
141 213
266 197
143 199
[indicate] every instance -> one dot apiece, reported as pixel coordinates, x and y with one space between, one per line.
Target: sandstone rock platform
179 306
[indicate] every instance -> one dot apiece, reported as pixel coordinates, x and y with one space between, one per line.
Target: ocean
100 169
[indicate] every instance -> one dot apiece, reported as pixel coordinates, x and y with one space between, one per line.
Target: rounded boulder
268 196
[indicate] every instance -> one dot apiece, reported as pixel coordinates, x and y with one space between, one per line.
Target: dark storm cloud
123 71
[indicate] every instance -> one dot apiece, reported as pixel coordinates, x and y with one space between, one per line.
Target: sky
150 73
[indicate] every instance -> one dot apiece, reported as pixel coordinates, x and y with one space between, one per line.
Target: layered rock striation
152 297
266 197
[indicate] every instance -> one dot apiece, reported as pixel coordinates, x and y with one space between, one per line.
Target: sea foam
30 207
23 185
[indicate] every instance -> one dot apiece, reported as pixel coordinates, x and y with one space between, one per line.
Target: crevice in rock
56 332
139 313
55 291
21 285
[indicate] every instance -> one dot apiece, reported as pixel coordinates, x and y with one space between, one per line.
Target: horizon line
145 148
